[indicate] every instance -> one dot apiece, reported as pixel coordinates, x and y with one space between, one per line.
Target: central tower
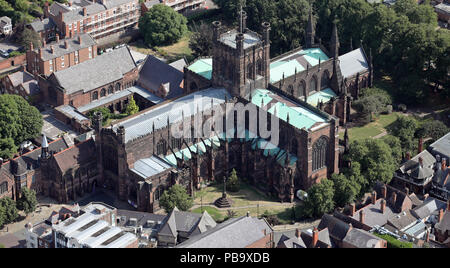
241 58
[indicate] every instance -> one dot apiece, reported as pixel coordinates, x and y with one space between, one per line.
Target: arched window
103 92
291 90
176 143
95 95
324 82
117 86
302 88
161 147
319 154
312 84
259 67
110 89
249 71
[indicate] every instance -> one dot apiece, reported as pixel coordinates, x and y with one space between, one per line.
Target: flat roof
148 167
229 39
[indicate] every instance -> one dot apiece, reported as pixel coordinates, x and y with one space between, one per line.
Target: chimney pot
57 38
361 216
374 197
297 233
79 39
84 11
352 209
383 206
444 163
441 215
52 49
384 191
394 198
66 44
315 237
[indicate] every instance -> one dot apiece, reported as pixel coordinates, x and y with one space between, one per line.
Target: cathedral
308 91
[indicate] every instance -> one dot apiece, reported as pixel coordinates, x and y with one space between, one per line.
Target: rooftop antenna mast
241 17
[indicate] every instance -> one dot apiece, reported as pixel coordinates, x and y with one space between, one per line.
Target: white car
4 53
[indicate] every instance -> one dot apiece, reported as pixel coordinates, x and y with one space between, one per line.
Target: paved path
287 205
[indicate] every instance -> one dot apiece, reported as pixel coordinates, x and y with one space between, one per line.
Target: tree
19 121
106 114
27 201
11 213
233 184
368 106
28 36
376 160
176 196
435 129
2 216
7 148
395 145
320 199
200 41
132 108
162 25
404 128
346 189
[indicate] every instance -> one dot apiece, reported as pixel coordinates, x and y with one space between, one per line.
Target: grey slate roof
142 124
97 72
441 146
179 64
323 240
427 158
429 207
291 242
20 77
155 73
444 224
353 62
233 233
187 222
151 3
149 167
42 25
402 220
361 239
337 228
373 215
59 48
31 87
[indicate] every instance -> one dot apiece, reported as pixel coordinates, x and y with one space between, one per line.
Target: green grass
213 212
371 129
393 242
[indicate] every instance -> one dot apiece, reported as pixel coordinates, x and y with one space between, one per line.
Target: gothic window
110 161
319 154
110 89
161 147
176 143
291 90
301 88
249 71
103 92
117 86
324 82
259 67
3 188
313 84
95 95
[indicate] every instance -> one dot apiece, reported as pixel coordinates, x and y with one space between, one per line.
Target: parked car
4 53
10 50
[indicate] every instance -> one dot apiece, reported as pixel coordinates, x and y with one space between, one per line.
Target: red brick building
60 54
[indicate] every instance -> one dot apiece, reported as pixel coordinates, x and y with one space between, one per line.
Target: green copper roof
202 67
299 116
288 63
324 96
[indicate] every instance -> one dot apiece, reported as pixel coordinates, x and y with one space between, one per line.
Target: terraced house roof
298 60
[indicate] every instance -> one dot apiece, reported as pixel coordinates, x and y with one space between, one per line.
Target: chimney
408 156
352 209
66 44
407 191
384 191
394 198
84 11
448 205
57 38
41 50
420 147
361 216
421 161
79 39
427 239
44 43
297 233
441 215
31 46
374 197
248 213
52 49
444 163
383 206
315 237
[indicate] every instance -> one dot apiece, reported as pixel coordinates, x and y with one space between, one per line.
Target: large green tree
346 189
132 107
27 202
200 41
404 128
11 212
19 121
320 199
176 196
162 25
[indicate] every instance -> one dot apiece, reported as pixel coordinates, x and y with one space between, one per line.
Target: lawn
170 53
247 199
372 129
